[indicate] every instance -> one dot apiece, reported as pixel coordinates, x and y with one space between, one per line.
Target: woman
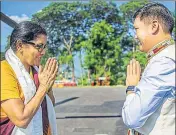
26 106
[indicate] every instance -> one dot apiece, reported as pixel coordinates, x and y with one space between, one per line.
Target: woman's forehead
41 38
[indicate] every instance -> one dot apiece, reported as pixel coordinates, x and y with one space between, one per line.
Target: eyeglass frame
37 46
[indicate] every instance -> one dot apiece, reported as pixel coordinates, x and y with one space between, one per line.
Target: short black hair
25 31
157 11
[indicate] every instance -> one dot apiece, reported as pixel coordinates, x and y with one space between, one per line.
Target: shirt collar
159 47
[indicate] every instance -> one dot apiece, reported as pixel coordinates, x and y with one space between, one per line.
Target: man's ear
154 27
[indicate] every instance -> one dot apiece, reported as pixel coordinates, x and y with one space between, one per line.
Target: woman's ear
19 45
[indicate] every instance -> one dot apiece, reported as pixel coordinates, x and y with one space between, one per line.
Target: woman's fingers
46 65
53 76
51 64
53 67
48 74
56 70
40 69
53 72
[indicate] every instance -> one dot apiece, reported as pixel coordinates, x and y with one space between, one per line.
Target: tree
8 43
129 46
63 23
66 22
2 56
128 9
6 48
68 26
46 56
174 31
102 51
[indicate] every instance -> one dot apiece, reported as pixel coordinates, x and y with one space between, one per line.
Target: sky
23 10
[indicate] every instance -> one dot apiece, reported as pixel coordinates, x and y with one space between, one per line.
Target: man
149 108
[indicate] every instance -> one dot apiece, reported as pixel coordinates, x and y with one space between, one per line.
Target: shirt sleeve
9 84
156 84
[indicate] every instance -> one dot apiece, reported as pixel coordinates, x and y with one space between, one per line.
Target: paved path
90 110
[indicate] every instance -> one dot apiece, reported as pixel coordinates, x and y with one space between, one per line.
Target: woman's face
34 50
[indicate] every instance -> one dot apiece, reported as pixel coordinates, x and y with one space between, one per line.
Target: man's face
142 34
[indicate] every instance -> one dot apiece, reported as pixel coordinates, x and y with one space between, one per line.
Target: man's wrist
130 89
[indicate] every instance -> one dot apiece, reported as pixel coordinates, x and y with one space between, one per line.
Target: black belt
133 132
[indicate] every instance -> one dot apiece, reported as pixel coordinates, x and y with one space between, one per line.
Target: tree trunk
73 72
80 58
72 67
89 76
68 47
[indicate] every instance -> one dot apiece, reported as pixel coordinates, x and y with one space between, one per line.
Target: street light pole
8 20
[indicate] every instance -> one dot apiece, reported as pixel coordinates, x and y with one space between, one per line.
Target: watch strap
130 88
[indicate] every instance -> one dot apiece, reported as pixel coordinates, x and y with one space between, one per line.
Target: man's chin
141 48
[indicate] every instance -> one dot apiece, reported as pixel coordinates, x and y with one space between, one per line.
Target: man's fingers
134 67
128 70
138 68
131 67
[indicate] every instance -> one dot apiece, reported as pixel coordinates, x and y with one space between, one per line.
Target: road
90 110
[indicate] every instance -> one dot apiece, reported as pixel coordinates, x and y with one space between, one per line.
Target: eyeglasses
39 47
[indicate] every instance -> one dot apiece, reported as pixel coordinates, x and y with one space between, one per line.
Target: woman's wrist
42 88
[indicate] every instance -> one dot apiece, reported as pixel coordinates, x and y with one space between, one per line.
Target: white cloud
21 18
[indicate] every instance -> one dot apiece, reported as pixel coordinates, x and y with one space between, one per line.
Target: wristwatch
130 88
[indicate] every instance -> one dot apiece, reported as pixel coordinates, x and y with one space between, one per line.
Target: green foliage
98 30
67 24
139 56
65 58
7 47
128 42
83 81
46 56
2 56
174 31
128 9
8 43
63 22
102 50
